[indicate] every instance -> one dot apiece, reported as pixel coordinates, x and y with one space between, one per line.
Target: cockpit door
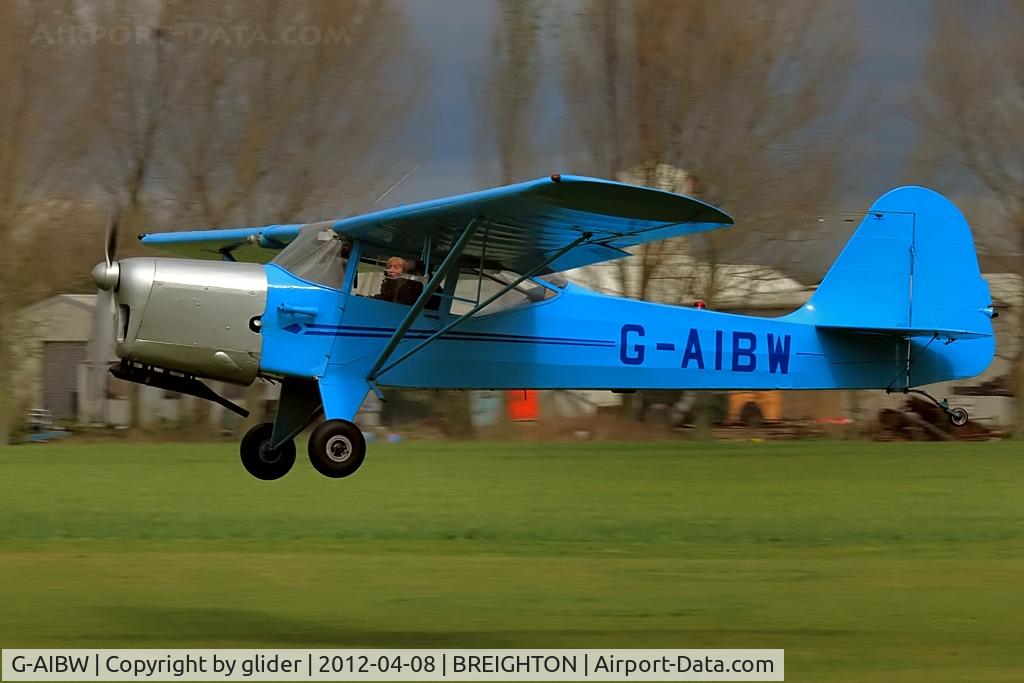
304 314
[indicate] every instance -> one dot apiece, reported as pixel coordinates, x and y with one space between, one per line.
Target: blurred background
792 116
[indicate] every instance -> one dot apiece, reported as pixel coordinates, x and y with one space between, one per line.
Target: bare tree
971 107
732 94
41 140
507 90
294 114
131 85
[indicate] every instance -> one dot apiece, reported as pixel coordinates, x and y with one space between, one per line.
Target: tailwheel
958 416
336 448
262 461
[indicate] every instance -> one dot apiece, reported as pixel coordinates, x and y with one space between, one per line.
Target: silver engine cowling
200 318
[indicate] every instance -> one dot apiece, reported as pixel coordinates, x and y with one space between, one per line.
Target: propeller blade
110 242
104 325
101 351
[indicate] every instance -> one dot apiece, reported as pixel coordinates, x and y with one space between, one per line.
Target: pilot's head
395 266
410 267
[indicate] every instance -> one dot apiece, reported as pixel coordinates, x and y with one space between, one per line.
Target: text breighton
490 664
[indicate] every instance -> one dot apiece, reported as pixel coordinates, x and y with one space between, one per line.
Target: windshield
318 254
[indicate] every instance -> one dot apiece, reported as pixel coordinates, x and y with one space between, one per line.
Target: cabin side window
476 286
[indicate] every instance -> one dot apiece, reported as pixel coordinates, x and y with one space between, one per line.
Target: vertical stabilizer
909 269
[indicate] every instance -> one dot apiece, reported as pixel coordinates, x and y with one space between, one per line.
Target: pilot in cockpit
399 286
413 286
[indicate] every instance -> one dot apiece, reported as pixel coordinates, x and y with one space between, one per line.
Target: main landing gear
262 461
336 449
958 416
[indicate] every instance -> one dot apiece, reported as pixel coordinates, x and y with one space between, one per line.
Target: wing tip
717 215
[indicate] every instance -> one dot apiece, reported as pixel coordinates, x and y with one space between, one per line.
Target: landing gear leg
958 416
262 461
336 448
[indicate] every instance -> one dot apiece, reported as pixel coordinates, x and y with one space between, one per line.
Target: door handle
308 311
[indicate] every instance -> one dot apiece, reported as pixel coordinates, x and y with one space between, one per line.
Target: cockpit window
318 254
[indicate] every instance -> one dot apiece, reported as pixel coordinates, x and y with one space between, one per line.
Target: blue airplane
471 299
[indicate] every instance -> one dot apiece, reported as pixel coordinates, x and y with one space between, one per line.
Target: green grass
865 562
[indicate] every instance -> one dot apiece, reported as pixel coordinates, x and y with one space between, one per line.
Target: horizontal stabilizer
910 332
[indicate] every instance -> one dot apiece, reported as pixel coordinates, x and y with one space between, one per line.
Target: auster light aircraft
903 306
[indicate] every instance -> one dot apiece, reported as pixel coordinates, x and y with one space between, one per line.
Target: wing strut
450 261
378 370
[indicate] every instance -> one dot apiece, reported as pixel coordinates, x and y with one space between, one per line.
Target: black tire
336 448
958 417
262 462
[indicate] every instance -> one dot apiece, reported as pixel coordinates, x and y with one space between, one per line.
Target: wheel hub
269 455
339 448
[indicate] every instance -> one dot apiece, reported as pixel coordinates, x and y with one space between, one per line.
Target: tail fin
910 269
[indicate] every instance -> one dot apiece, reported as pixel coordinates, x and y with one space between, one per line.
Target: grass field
865 562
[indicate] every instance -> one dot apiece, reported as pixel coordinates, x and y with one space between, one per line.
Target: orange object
523 405
769 402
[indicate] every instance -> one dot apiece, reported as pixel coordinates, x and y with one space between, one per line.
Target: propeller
105 275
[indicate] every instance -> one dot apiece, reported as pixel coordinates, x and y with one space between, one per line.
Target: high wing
523 224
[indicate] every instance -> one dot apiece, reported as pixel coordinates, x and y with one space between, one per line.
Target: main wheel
262 461
336 448
958 417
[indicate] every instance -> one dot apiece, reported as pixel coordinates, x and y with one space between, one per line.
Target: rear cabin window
476 286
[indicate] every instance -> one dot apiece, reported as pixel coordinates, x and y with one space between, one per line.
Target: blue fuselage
580 339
